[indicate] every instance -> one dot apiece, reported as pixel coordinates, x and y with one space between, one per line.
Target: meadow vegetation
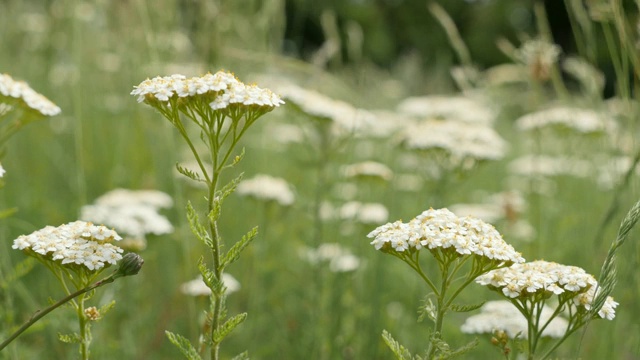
344 156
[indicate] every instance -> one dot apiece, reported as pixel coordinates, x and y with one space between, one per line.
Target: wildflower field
319 180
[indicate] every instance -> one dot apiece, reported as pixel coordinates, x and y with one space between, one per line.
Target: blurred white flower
502 315
131 212
368 169
11 88
612 171
283 134
582 120
2 171
503 205
365 213
457 139
539 56
126 197
267 188
345 117
456 108
197 287
548 166
338 258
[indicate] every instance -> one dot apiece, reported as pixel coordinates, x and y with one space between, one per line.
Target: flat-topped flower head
219 90
76 243
459 140
579 120
132 212
463 109
441 229
21 91
368 169
539 56
340 259
541 279
267 188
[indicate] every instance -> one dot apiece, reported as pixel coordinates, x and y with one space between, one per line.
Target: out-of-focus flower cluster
197 287
454 131
503 315
461 141
583 121
364 213
539 56
220 90
456 108
267 188
134 213
442 229
20 90
338 258
506 207
368 169
545 278
347 117
76 243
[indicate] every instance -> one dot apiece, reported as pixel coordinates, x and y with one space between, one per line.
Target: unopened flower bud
130 264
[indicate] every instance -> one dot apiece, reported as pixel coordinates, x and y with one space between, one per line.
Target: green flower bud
130 264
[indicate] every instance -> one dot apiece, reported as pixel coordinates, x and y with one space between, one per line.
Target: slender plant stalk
41 313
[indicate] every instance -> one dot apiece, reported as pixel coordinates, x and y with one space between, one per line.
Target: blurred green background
86 56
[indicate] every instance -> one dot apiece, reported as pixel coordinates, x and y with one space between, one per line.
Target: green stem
40 314
85 331
441 309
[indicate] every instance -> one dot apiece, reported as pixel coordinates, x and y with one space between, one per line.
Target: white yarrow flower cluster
79 243
442 229
132 212
267 188
543 277
2 171
584 121
222 88
549 166
197 287
21 90
460 140
503 315
457 108
539 55
368 169
347 117
338 258
365 213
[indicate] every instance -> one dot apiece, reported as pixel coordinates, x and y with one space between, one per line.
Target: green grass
87 58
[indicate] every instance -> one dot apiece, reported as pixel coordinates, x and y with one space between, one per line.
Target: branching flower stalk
130 264
77 253
529 286
456 244
222 108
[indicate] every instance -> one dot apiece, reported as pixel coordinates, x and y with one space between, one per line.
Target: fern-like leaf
234 253
184 345
228 326
398 350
